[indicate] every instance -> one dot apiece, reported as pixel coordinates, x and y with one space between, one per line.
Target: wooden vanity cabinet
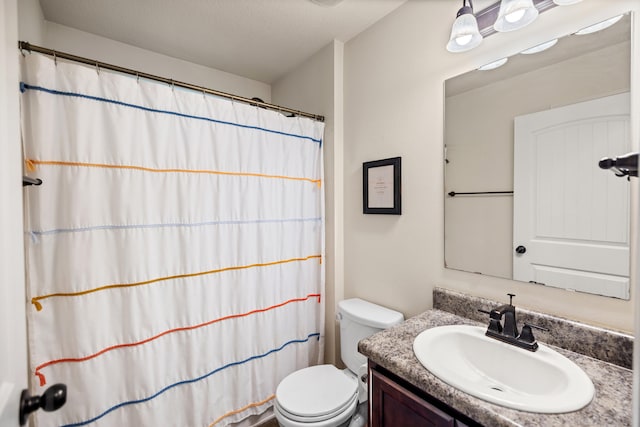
395 403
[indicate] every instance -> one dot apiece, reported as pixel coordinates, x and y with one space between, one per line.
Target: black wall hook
52 399
30 181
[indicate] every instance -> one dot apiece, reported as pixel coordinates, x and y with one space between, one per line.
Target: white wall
13 343
316 86
70 40
31 24
394 74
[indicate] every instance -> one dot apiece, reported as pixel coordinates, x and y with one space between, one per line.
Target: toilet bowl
323 395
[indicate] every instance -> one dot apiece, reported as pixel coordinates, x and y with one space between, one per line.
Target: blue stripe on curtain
25 86
177 224
193 380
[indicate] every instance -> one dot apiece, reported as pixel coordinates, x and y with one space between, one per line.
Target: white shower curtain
174 250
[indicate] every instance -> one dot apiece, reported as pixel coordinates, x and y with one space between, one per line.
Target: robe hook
30 181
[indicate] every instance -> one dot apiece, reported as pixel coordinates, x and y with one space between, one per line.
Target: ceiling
257 39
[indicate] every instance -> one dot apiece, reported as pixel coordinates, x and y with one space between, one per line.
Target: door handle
521 249
52 399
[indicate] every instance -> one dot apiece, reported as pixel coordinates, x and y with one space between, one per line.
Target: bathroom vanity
395 402
403 392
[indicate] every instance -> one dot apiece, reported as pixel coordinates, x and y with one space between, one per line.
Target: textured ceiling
258 39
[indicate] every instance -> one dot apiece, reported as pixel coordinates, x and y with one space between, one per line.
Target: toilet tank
358 320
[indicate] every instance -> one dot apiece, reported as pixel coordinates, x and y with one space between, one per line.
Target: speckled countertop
393 350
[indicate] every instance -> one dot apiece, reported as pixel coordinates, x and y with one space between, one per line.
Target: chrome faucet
503 326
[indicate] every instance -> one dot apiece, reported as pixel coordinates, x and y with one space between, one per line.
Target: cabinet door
393 406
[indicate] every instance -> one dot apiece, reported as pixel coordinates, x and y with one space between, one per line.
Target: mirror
527 138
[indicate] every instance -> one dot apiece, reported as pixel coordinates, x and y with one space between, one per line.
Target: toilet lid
316 391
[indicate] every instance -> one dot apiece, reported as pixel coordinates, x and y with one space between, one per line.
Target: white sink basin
543 381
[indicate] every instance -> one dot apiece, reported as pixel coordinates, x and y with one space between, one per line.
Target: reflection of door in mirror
572 217
480 111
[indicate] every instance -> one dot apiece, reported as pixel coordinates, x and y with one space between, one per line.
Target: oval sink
543 381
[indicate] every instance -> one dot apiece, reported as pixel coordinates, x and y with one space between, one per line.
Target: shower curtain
174 250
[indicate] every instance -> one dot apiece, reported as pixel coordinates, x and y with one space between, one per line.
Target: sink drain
497 389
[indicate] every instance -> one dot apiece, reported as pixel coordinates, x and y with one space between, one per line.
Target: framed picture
381 187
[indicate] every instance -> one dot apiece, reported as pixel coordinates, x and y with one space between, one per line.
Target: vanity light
540 47
566 2
599 26
515 14
493 65
464 32
326 3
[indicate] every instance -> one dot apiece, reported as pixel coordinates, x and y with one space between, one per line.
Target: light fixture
326 3
566 2
464 32
515 14
540 47
599 26
493 65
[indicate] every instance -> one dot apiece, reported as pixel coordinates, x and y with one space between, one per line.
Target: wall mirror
524 197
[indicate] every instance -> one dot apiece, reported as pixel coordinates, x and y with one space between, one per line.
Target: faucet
503 326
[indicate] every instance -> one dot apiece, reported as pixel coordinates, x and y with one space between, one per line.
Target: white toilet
323 395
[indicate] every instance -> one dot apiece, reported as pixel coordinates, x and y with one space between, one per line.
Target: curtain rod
22 45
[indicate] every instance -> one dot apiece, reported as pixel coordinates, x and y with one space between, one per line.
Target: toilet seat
350 405
316 394
340 420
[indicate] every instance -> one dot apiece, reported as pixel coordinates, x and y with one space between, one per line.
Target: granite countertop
393 350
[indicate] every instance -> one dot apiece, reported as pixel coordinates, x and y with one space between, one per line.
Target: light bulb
566 2
599 26
464 40
493 65
539 48
515 16
464 32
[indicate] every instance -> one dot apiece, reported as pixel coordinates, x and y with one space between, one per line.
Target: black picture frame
381 186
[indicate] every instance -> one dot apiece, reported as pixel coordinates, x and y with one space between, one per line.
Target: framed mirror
524 197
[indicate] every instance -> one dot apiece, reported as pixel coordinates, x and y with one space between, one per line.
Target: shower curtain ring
138 78
97 68
55 58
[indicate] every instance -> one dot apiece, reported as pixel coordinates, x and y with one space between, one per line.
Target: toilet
325 396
